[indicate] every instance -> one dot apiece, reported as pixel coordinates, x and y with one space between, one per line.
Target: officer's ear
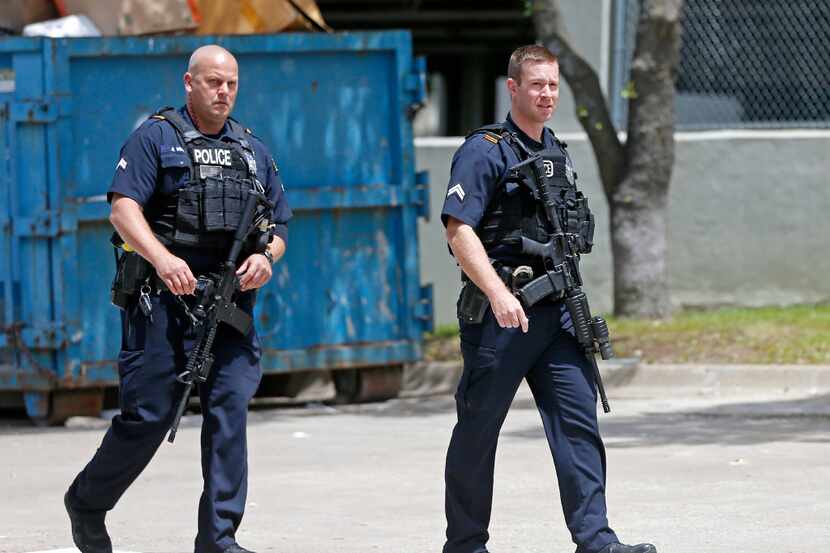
188 82
512 86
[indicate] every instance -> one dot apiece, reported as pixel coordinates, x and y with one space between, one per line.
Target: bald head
211 54
211 83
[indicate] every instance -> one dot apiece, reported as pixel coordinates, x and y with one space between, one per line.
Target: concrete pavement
693 471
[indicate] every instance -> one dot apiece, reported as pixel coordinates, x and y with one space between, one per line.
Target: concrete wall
589 29
749 211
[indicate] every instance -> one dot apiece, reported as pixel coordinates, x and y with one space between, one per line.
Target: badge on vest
206 171
570 174
548 168
249 159
212 156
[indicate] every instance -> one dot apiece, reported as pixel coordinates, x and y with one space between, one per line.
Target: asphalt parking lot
699 473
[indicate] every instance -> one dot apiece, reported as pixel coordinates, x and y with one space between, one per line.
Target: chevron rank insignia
458 190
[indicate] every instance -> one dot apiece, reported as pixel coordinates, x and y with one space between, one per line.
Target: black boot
236 548
622 548
88 529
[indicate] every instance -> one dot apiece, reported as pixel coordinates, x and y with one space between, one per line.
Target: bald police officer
174 197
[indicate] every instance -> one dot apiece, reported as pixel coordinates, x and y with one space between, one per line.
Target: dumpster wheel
70 403
368 384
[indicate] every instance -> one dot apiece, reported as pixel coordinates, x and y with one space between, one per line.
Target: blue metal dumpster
334 109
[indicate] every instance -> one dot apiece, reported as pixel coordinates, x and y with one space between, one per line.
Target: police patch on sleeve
122 164
458 190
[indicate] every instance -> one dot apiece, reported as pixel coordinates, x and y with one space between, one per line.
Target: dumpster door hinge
24 340
416 84
34 111
41 337
421 194
424 308
49 336
46 224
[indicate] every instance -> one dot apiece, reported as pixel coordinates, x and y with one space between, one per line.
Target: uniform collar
186 114
530 142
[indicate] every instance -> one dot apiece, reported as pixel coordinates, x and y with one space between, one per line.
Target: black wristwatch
269 256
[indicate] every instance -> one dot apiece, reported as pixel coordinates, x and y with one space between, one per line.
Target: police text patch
212 156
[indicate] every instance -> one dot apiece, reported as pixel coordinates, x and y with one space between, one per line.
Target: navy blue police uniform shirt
139 176
476 175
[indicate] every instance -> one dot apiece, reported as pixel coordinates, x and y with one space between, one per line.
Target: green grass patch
443 331
778 335
769 335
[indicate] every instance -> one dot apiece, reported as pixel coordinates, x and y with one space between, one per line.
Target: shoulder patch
250 132
458 190
491 137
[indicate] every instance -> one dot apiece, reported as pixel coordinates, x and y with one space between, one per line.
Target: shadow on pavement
743 423
750 422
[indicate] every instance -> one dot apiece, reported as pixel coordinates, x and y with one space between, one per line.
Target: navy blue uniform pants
560 377
148 363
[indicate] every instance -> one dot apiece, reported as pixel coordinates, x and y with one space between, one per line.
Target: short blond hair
529 53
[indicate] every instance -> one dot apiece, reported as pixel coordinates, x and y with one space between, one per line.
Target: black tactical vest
206 211
514 212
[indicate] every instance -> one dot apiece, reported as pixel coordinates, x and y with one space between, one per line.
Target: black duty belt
514 278
157 284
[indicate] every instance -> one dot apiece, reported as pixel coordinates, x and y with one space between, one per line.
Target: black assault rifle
215 293
561 261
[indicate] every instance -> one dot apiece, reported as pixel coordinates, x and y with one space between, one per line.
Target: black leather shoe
88 529
622 548
236 548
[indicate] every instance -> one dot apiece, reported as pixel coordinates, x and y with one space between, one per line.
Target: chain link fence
743 63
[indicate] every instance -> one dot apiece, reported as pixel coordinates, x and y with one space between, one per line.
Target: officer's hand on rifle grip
254 272
508 310
176 275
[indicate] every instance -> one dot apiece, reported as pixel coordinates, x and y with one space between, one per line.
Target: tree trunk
635 177
591 107
639 204
638 245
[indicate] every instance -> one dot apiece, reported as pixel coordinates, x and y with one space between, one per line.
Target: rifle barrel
598 379
180 411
